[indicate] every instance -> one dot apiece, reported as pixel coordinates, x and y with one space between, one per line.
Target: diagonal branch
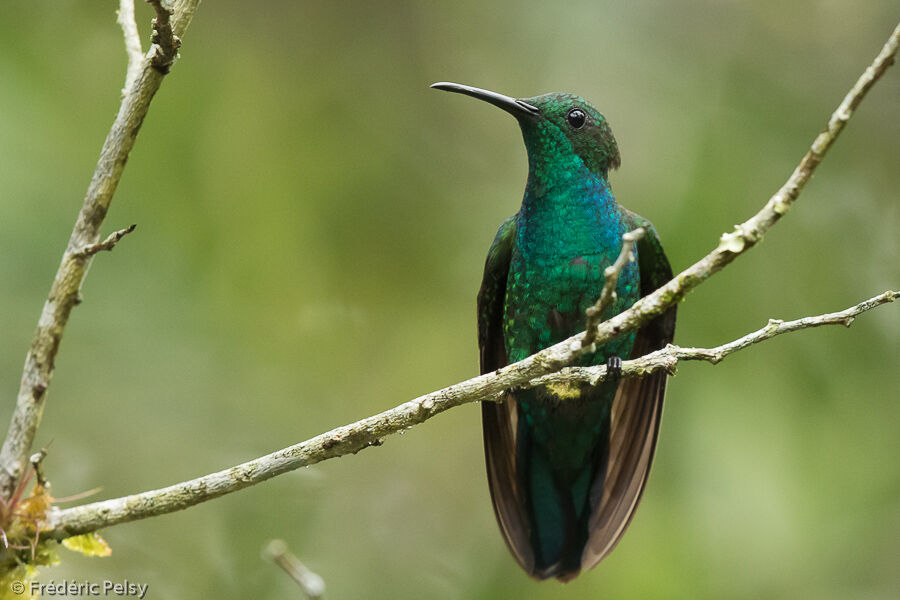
370 431
64 291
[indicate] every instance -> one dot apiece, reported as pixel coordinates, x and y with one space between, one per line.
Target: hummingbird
567 463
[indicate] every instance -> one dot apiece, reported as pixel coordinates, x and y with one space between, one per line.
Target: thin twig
132 42
311 584
668 358
108 244
608 293
356 436
64 291
37 460
78 496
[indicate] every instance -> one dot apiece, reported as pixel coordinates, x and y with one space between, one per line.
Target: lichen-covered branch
371 431
64 291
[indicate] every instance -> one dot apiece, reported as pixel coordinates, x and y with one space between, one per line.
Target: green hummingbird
567 464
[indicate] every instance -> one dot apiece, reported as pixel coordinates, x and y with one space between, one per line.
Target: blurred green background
312 224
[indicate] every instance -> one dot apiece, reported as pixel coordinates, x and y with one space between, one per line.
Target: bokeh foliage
312 223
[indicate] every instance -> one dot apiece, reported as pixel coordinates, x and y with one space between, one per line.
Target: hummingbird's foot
613 368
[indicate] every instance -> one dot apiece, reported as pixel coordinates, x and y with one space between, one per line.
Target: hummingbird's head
557 128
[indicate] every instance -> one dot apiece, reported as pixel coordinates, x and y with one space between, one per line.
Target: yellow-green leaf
89 544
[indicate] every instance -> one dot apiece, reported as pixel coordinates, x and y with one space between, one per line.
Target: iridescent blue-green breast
564 242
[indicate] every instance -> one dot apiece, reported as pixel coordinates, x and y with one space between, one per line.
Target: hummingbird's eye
576 118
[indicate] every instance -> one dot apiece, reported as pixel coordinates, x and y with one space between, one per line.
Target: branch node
38 390
781 206
165 44
671 365
108 244
735 241
36 461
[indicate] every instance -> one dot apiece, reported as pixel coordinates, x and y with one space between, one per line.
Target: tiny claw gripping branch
613 368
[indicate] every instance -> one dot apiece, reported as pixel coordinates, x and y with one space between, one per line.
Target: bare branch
108 244
608 293
64 291
669 357
311 584
370 432
132 42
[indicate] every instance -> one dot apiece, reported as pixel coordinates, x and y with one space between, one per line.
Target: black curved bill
511 105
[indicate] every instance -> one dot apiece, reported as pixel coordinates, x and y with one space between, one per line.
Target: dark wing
500 418
491 297
637 410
